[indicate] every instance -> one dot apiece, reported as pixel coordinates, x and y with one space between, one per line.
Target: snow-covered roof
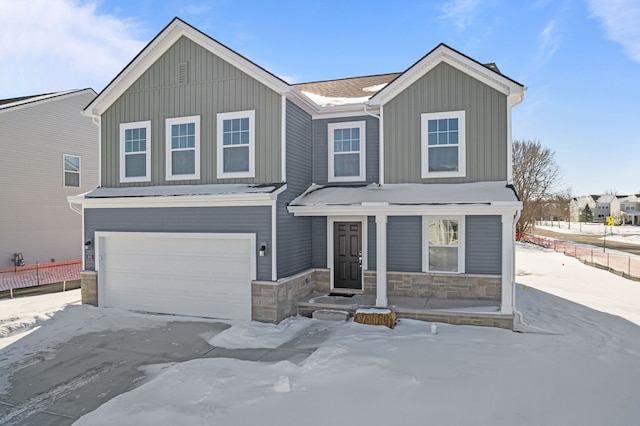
182 190
607 198
345 91
407 194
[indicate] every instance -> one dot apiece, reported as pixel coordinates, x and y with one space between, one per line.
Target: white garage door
205 275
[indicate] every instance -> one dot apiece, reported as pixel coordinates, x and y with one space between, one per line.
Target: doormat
342 294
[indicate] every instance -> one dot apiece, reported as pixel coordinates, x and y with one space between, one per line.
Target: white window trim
168 157
462 167
363 152
251 115
135 125
425 243
64 171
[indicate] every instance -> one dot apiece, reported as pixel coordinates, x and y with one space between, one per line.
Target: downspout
380 142
97 122
512 100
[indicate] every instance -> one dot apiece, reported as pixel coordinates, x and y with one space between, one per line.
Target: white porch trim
381 261
508 263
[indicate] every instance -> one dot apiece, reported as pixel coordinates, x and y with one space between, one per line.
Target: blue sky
580 59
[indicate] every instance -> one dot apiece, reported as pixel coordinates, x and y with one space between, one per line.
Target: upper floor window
443 251
236 144
135 151
71 167
183 148
443 144
347 151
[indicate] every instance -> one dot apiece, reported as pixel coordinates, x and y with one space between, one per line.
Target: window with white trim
183 148
443 249
236 144
71 167
347 156
443 144
135 151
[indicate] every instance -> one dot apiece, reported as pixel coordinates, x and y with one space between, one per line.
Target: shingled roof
356 87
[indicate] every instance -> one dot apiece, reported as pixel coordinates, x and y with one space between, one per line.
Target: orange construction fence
36 274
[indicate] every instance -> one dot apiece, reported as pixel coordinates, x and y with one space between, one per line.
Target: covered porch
452 311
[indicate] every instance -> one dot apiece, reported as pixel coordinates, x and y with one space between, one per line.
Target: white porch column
381 261
508 264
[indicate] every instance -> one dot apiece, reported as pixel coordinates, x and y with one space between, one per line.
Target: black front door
347 255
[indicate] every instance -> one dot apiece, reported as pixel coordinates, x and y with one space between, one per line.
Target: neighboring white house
48 151
606 205
630 209
577 206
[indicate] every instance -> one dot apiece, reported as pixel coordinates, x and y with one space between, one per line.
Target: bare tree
535 178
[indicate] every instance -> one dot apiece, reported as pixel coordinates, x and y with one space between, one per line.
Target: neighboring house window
443 144
183 148
135 151
347 151
236 144
71 164
443 251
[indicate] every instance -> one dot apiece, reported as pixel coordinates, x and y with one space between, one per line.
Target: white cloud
52 45
549 42
621 22
460 12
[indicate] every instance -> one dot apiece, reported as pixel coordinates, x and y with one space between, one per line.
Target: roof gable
159 45
443 53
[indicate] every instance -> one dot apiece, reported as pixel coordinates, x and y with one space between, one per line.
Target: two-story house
629 208
48 151
227 192
606 205
577 205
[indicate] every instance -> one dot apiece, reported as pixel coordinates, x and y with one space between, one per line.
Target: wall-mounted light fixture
18 259
87 244
262 251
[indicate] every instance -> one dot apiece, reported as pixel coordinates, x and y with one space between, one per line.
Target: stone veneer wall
89 287
439 286
274 301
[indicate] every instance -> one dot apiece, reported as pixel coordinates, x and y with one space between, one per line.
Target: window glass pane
143 133
175 130
127 134
346 146
443 259
346 165
337 134
72 179
337 146
235 138
183 162
433 139
143 145
453 124
453 138
71 164
226 125
191 141
442 138
244 124
236 159
443 232
235 125
226 139
432 126
191 128
175 142
355 133
443 125
135 165
443 159
355 145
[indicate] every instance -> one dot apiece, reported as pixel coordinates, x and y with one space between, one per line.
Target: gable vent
183 72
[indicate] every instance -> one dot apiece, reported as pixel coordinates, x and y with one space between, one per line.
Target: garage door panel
208 277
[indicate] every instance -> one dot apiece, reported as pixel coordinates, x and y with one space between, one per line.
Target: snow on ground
625 234
579 367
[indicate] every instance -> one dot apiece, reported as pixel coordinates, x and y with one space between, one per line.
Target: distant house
48 152
606 205
577 206
226 192
630 209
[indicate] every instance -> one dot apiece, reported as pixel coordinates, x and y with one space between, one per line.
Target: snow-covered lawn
577 364
625 234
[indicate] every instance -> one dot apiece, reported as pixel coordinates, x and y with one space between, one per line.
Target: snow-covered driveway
578 363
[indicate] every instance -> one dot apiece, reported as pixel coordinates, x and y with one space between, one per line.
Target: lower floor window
442 236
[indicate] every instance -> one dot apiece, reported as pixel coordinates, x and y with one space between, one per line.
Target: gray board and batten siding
483 244
213 86
35 218
321 149
256 219
445 88
294 232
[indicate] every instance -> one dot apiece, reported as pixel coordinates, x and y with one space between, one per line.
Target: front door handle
360 258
